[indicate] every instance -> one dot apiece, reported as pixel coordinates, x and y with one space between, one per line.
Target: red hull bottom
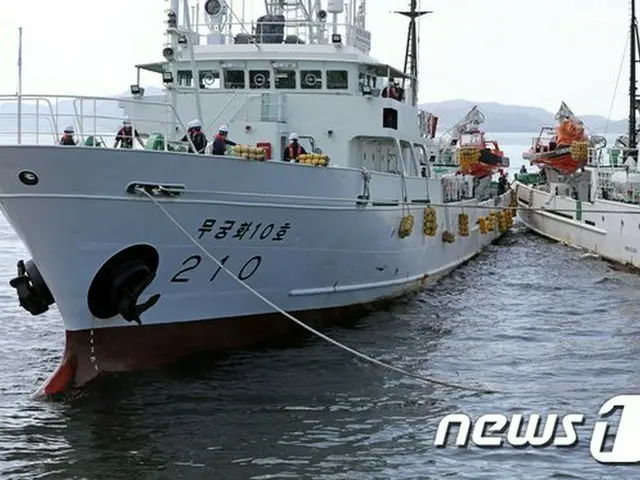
564 163
90 353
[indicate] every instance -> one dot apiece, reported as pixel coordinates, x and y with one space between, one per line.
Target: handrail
79 115
249 97
353 35
37 99
224 107
36 133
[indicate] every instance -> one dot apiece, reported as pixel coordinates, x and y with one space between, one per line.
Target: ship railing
252 107
544 137
595 157
41 119
291 31
448 156
248 107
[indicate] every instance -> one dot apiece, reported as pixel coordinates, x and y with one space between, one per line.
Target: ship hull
336 252
93 353
611 232
560 160
488 164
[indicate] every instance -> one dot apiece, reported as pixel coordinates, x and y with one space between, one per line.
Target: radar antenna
411 54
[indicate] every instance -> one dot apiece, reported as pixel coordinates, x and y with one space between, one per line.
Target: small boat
476 156
563 148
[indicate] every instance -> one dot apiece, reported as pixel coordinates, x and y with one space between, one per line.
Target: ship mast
411 54
633 49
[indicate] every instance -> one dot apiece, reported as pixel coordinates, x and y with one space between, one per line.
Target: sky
534 53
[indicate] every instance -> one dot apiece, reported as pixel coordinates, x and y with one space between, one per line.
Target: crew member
293 150
390 90
523 169
67 136
197 136
502 183
221 141
124 137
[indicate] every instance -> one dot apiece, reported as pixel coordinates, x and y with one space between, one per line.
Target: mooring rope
301 323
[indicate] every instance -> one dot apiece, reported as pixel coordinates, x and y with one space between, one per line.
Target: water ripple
553 330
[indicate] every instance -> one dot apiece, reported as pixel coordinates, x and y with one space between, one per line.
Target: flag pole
19 85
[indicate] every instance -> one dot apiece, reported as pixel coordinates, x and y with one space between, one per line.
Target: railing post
95 120
81 120
57 118
37 121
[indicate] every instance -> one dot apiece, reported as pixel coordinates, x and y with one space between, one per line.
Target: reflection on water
554 331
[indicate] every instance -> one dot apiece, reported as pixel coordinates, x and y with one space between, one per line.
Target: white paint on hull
335 254
609 229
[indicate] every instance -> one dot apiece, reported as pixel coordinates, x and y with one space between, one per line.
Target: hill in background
513 118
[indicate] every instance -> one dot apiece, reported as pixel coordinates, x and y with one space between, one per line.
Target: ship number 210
191 263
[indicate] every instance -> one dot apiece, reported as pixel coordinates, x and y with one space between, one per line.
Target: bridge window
259 79
337 79
311 79
366 79
285 79
390 118
185 78
209 79
234 79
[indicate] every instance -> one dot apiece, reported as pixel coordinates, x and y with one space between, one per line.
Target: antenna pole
411 54
20 86
633 134
194 71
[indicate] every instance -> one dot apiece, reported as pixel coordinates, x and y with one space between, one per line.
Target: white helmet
126 120
293 136
194 123
69 129
223 129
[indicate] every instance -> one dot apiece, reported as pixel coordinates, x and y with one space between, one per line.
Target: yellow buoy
463 225
429 223
406 226
482 222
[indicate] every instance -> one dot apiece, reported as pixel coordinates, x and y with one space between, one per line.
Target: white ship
122 238
587 195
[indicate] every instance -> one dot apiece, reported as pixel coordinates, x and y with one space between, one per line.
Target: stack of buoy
317 159
406 226
514 199
448 237
579 151
503 221
482 221
491 222
509 214
246 151
429 223
467 158
463 225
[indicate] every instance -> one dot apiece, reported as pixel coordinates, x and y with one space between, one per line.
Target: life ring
310 79
259 79
208 79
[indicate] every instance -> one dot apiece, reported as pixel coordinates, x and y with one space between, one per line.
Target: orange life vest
291 151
